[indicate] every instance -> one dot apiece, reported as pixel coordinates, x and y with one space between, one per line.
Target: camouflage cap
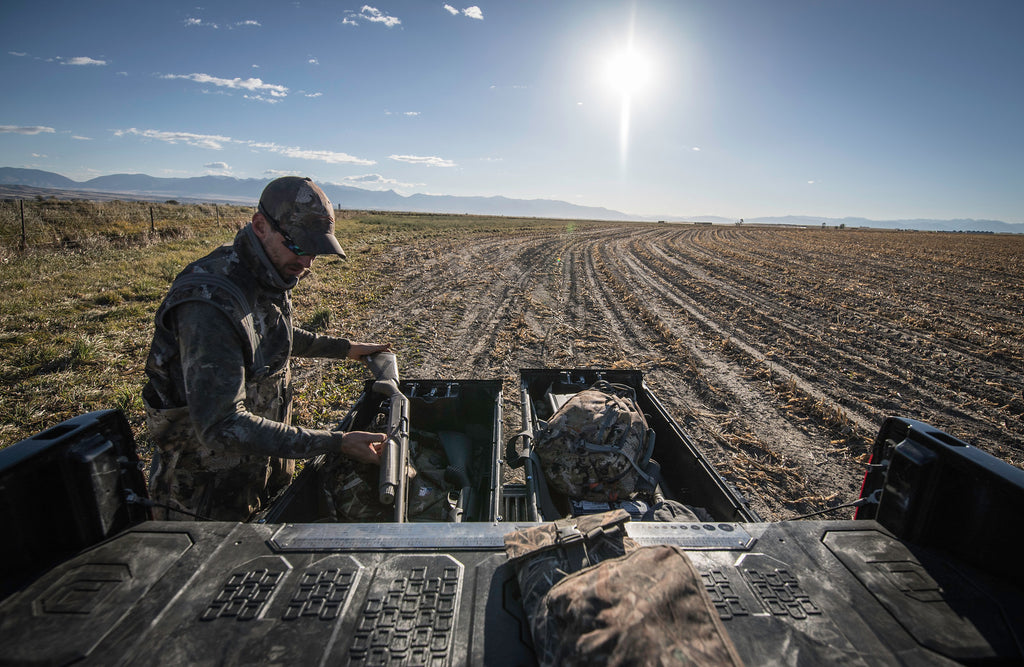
302 210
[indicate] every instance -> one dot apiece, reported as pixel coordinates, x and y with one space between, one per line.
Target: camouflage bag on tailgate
596 445
544 554
648 607
592 596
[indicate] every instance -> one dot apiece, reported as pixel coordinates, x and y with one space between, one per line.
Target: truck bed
921 577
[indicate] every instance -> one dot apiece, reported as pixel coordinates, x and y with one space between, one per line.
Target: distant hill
35 178
26 183
247 191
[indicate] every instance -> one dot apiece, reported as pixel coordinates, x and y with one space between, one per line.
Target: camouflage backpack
595 446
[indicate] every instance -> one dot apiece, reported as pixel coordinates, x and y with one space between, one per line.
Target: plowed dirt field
779 350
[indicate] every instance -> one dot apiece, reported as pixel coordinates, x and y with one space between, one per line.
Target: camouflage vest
237 280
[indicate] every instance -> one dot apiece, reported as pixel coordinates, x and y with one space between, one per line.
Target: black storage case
687 475
470 407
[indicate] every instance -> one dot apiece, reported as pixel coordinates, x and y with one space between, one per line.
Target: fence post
217 208
24 243
152 222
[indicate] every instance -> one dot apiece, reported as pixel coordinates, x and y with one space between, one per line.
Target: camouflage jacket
218 399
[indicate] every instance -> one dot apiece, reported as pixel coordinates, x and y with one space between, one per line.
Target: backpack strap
627 394
246 321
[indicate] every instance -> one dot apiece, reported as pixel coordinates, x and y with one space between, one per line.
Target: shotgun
392 485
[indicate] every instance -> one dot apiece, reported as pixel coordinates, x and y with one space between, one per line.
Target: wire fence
51 223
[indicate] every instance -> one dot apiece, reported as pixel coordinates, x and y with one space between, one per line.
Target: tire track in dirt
803 321
673 272
739 416
857 355
804 330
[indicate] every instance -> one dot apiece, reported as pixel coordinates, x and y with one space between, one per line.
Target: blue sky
884 109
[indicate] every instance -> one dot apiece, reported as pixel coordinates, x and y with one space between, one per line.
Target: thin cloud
429 161
473 12
74 61
249 22
27 129
371 14
375 182
82 60
313 61
254 85
212 141
261 98
218 142
330 157
81 138
217 166
369 179
194 22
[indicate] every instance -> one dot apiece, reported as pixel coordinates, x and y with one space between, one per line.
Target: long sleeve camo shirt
218 400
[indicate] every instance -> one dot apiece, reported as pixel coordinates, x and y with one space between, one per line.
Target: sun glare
628 71
627 74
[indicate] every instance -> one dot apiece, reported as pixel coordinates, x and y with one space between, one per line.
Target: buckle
572 543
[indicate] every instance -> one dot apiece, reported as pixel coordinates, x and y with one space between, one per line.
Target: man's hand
359 350
363 447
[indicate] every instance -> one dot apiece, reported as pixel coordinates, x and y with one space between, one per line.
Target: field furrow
780 350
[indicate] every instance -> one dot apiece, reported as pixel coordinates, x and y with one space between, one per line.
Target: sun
628 71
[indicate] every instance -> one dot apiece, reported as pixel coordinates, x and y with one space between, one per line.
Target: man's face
287 263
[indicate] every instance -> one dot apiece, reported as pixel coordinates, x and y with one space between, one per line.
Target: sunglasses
287 240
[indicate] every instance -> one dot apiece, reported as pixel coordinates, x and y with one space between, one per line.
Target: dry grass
76 307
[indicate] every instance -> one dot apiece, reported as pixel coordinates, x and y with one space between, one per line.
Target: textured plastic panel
212 593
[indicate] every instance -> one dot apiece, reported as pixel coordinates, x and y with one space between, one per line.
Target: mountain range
25 183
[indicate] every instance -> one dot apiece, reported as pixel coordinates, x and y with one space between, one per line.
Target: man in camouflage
218 400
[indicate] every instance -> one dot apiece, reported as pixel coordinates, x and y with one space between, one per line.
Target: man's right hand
363 447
